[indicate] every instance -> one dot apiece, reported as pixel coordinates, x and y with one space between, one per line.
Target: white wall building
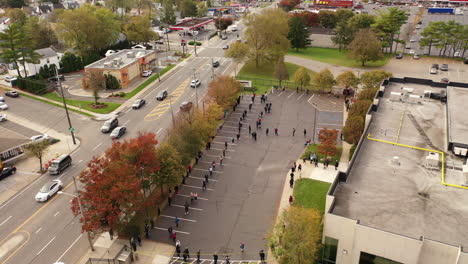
49 57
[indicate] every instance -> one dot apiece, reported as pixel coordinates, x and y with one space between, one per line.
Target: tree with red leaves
327 138
289 5
117 185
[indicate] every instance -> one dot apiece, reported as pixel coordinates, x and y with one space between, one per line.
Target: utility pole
70 127
81 211
196 89
172 111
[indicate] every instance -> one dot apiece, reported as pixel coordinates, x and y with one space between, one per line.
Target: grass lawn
313 148
151 79
262 78
311 193
334 56
82 104
55 104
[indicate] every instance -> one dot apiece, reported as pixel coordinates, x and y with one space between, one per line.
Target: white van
234 28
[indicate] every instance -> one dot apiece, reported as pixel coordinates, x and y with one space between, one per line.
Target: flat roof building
403 199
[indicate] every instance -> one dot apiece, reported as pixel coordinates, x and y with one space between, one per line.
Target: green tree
388 24
120 6
222 23
37 150
302 77
324 80
347 79
17 16
97 28
138 30
361 21
168 15
40 33
343 15
223 90
373 79
298 34
266 36
188 8
111 82
328 19
237 52
69 62
343 35
360 108
353 129
202 9
432 35
170 162
14 3
365 47
281 72
95 82
296 237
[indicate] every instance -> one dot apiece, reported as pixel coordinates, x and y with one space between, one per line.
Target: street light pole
315 121
196 89
70 127
172 111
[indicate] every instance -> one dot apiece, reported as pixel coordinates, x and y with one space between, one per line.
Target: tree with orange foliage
327 138
116 185
223 91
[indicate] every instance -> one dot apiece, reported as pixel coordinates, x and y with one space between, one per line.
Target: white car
412 40
8 78
195 83
48 190
38 138
146 73
412 52
433 71
3 117
418 26
3 106
2 99
138 47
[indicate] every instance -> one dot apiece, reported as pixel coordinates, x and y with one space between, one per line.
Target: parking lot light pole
81 212
70 127
315 121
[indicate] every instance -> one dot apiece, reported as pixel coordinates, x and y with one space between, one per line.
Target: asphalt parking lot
242 196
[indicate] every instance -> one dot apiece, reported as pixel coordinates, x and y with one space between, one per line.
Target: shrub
70 63
122 94
359 108
352 150
367 94
353 129
194 43
32 86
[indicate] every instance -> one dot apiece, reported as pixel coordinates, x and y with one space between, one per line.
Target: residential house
48 57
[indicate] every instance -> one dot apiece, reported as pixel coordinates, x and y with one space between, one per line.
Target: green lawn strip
311 193
313 148
82 104
55 104
336 57
262 78
148 81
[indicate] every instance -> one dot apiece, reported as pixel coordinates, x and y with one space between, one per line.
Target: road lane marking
222 149
38 230
65 252
199 198
80 161
63 174
40 251
299 97
125 122
97 146
183 219
177 231
57 213
5 220
159 130
216 156
191 208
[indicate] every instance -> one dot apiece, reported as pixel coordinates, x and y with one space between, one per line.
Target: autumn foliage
223 91
310 19
327 138
289 4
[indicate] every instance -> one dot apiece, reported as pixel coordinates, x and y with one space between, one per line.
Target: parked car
444 67
224 37
160 41
39 138
59 164
3 117
3 106
416 57
433 71
412 40
195 83
435 66
226 47
215 64
146 73
399 56
9 78
48 190
2 99
412 52
138 47
465 61
456 54
138 103
185 106
55 78
12 94
7 171
162 95
418 26
444 80
109 125
118 132
408 46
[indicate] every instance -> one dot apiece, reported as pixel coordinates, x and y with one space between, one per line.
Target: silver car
49 190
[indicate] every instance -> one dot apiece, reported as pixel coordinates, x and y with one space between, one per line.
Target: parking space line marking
196 187
159 130
125 122
6 220
300 97
207 170
183 195
183 219
221 149
40 251
177 231
38 230
198 178
216 156
229 144
57 213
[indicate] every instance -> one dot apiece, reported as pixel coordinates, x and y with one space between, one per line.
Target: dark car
12 94
435 66
215 64
444 67
7 171
444 80
118 132
55 79
138 103
399 56
161 95
465 61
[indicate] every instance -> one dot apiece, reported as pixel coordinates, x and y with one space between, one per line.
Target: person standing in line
228 260
299 167
186 251
294 131
316 163
238 136
221 161
169 230
250 129
291 199
262 255
225 144
177 220
213 164
232 138
211 171
266 131
206 178
242 247
186 206
204 186
184 255
174 236
261 114
178 248
305 132
292 175
276 131
224 153
250 107
266 108
215 258
291 182
198 256
337 164
169 200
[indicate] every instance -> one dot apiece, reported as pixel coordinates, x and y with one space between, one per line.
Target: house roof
9 140
47 53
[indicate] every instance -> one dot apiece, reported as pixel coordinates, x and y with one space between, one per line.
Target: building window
329 251
367 258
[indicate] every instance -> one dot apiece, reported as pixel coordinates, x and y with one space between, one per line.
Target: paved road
43 233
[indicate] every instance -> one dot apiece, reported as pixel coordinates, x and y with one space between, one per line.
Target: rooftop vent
395 161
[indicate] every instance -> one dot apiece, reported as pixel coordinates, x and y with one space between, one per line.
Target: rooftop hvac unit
427 94
407 89
432 160
107 64
460 151
130 54
394 96
415 99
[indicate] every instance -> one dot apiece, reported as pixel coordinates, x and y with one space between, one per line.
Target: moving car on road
49 190
146 73
109 125
215 64
161 95
118 132
3 106
39 138
59 164
195 83
138 103
3 117
185 106
7 171
12 94
226 47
